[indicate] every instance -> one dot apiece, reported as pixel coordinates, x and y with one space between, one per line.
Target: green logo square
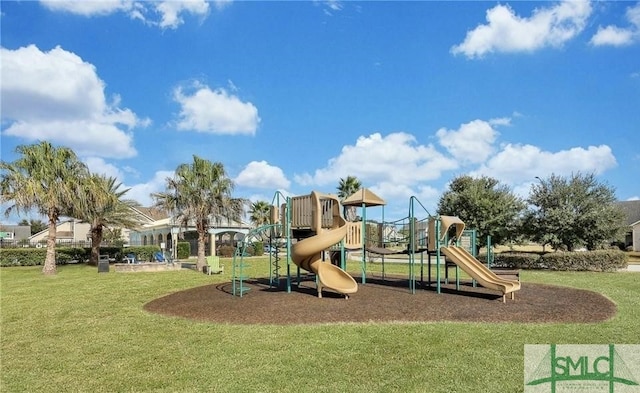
582 368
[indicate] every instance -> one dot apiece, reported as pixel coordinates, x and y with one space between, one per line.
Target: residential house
14 234
631 210
71 231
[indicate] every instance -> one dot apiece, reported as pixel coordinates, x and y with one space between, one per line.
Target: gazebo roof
363 197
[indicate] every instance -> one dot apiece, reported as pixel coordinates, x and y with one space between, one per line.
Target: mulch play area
383 301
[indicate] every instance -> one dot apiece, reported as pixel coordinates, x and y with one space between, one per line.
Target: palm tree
198 193
260 212
346 188
42 178
101 204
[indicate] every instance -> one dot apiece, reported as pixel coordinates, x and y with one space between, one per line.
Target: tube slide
479 271
307 254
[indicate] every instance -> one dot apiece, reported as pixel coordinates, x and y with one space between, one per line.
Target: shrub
600 260
68 254
258 248
112 252
517 260
143 253
183 250
36 256
22 256
226 251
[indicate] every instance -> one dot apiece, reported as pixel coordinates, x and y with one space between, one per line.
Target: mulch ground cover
379 300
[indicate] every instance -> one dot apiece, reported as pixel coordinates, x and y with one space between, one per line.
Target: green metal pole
288 228
382 243
437 230
457 270
489 252
412 240
233 274
363 264
422 269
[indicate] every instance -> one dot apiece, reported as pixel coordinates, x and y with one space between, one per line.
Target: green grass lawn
81 331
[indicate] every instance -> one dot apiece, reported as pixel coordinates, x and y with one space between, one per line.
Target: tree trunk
96 240
201 251
49 267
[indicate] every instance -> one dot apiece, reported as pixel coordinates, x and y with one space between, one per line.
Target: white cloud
507 32
165 14
376 159
612 35
521 163
427 195
86 138
215 111
89 8
259 174
171 11
57 96
473 141
141 192
100 166
330 6
620 36
334 5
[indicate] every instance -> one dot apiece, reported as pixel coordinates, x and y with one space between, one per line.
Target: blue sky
292 96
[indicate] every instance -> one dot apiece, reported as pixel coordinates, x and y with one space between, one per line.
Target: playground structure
329 228
304 230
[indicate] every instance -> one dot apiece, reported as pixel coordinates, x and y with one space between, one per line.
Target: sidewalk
633 268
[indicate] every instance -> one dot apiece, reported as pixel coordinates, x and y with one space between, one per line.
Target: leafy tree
346 188
113 236
573 212
43 178
100 203
260 212
198 194
37 226
485 205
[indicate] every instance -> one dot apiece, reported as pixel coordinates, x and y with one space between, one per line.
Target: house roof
363 196
631 211
153 214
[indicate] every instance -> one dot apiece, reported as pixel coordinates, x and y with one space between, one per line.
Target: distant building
631 211
70 231
159 229
14 233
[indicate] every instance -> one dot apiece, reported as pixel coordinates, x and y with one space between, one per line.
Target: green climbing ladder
238 275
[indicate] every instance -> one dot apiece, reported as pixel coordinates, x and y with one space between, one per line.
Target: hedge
254 249
600 260
65 255
183 250
142 253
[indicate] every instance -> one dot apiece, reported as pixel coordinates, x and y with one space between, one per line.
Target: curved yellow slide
480 272
307 254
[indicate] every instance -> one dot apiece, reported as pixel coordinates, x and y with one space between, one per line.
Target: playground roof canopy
364 197
447 222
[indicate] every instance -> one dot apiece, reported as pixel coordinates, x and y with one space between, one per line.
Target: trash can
103 264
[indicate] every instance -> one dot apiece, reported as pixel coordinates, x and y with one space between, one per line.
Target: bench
213 265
